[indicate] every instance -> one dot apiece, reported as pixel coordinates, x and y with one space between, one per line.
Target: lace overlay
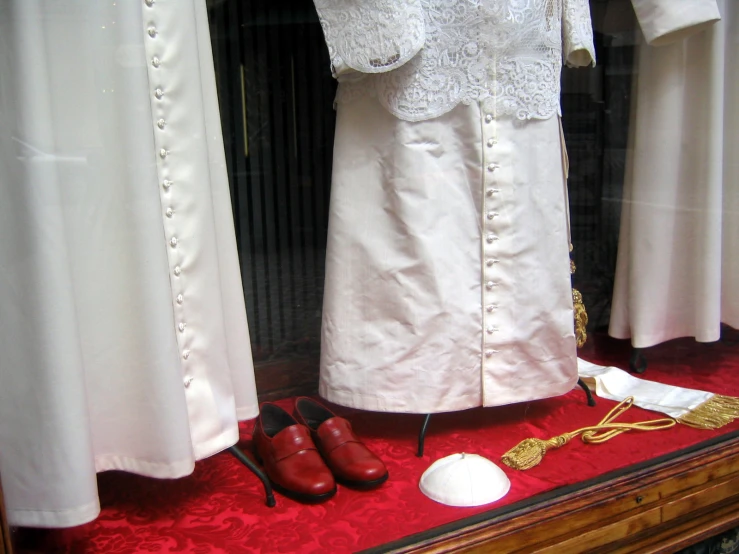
505 53
577 33
371 36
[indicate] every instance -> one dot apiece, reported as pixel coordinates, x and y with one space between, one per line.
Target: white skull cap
464 480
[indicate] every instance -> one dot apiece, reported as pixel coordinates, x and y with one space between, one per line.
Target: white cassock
678 256
447 269
122 325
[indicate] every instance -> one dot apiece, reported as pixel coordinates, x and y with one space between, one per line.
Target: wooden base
658 506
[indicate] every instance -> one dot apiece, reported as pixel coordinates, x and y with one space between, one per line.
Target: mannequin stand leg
583 386
270 498
637 361
422 435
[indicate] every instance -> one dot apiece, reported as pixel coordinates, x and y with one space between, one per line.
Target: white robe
678 257
447 267
122 325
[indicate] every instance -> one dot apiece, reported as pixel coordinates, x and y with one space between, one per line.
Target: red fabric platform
220 508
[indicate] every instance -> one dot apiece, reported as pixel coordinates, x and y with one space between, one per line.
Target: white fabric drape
122 325
678 258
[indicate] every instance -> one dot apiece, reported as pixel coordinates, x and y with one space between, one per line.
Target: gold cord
530 452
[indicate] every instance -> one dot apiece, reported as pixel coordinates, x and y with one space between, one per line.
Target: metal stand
637 361
244 459
583 386
425 424
422 435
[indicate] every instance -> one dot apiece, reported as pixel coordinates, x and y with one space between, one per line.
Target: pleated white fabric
678 258
122 324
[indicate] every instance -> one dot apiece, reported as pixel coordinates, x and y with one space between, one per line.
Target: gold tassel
529 452
581 316
717 411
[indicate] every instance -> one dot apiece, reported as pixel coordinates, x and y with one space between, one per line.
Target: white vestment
447 269
122 324
678 256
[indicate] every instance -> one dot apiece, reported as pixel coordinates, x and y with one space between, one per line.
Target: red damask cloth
220 508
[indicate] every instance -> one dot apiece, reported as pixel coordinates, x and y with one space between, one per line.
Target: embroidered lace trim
371 36
507 53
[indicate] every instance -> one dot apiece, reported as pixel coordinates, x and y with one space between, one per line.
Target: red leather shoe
290 457
350 460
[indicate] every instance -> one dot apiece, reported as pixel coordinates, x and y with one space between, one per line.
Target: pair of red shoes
304 454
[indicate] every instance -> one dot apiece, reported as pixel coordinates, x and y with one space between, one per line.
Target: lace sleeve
577 33
371 36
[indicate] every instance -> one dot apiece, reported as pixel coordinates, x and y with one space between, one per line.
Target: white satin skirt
123 331
447 271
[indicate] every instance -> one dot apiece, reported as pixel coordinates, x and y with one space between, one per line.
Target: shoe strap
291 440
334 432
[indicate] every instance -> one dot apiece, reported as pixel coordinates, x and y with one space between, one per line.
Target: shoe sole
362 485
301 496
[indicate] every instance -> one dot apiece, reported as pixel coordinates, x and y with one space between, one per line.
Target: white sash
704 410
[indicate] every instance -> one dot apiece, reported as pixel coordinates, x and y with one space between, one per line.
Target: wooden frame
661 505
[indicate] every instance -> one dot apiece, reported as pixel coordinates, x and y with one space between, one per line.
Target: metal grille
276 95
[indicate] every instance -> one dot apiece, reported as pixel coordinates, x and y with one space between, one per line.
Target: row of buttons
490 238
167 184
